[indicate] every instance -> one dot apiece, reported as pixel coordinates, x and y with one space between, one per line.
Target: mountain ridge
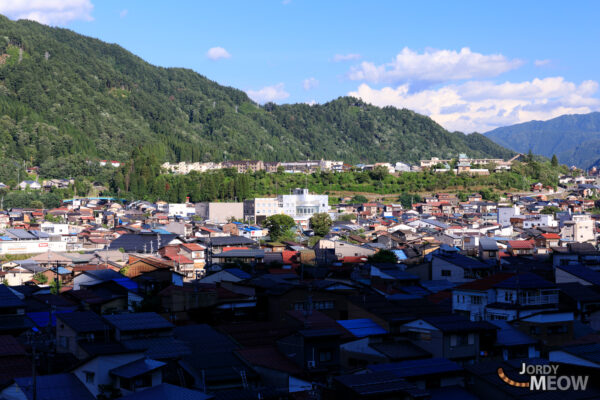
574 138
65 98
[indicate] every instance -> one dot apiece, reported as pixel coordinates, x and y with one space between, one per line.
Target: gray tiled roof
138 321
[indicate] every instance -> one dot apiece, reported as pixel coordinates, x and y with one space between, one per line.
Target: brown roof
485 283
269 357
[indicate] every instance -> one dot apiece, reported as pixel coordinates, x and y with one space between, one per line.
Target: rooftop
138 321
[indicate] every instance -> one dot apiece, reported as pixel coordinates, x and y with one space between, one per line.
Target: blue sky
470 65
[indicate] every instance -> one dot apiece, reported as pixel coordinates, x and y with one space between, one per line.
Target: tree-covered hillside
575 139
65 98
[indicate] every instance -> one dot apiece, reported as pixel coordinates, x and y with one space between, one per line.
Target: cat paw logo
545 378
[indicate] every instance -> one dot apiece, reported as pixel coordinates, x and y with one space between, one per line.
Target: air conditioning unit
311 364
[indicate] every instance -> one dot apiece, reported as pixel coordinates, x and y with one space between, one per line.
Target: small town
297 296
299 200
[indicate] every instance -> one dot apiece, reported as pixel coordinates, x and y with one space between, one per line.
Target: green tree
554 161
550 210
379 173
383 257
41 278
359 198
279 226
55 286
321 224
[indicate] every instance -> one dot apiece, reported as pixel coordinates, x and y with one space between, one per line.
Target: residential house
453 337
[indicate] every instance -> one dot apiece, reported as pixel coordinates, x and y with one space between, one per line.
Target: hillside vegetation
66 98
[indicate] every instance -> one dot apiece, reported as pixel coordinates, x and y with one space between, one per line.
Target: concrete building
220 213
579 229
181 209
506 213
257 210
301 205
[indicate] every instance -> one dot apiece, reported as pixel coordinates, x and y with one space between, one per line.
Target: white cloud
286 2
310 83
269 94
481 106
346 57
217 53
123 13
311 102
434 66
541 63
49 12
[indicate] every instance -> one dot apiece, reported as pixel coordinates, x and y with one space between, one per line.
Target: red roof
485 283
179 258
288 256
521 244
551 235
227 248
353 259
193 246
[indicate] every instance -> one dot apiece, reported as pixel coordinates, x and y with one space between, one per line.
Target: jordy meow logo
545 377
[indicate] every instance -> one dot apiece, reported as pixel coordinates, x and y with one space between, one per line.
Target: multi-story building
579 229
257 210
301 205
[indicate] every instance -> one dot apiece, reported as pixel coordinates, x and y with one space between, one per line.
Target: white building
181 209
540 220
506 213
30 184
260 208
301 205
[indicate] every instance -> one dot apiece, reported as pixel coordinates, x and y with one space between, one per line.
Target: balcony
540 299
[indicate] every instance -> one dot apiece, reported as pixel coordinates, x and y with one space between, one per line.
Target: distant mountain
575 139
65 97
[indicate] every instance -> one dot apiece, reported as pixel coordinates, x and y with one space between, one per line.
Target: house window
446 272
534 330
325 356
475 300
89 376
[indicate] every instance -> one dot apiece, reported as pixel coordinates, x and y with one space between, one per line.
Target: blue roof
400 255
414 368
41 318
137 368
161 231
509 336
127 283
55 387
139 243
21 233
582 272
8 299
438 285
462 261
417 290
362 327
239 273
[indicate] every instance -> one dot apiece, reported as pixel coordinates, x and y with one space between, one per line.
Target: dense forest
66 98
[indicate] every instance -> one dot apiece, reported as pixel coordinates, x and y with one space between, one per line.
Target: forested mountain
575 139
65 98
